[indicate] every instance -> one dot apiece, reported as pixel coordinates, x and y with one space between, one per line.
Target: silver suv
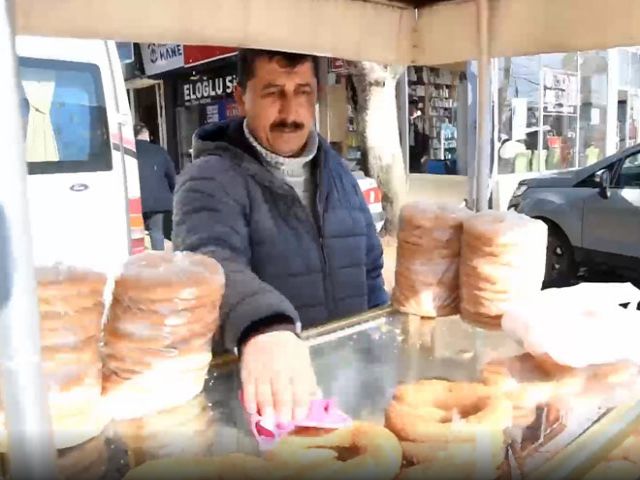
593 214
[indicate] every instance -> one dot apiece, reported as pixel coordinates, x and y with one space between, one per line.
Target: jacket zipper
326 280
318 227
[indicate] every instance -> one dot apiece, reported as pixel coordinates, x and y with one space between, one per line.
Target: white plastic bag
579 326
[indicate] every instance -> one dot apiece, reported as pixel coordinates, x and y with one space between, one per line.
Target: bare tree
377 117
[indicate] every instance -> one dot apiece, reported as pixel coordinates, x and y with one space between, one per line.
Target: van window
65 117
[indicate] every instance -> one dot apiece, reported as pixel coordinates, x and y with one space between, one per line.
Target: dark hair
138 128
247 59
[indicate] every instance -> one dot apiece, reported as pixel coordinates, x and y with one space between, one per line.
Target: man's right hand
278 380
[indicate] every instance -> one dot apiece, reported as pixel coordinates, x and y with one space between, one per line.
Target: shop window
433 130
592 134
554 110
518 114
560 84
201 99
64 115
629 67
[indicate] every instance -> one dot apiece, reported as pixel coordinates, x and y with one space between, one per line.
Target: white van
83 186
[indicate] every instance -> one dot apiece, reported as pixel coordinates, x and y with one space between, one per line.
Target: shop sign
560 92
232 110
160 57
338 65
206 89
213 113
194 54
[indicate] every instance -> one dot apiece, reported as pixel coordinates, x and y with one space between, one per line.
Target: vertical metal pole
472 134
576 153
160 112
322 107
543 158
31 453
494 180
613 85
402 97
483 152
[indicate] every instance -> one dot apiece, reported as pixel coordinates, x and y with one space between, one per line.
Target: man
157 182
418 139
271 201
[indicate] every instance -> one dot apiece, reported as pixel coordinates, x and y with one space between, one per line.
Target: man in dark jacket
271 201
157 182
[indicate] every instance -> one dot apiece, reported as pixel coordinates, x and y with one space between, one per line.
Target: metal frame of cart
411 32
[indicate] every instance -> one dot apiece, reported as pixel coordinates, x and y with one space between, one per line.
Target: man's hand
277 376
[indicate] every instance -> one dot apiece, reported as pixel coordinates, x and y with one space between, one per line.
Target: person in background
418 139
270 199
157 183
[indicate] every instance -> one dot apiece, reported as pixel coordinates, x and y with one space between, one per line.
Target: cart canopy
418 32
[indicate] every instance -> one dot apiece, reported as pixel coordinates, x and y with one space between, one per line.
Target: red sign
203 53
337 65
232 110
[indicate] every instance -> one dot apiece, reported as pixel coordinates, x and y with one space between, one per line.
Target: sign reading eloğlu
160 57
206 89
213 86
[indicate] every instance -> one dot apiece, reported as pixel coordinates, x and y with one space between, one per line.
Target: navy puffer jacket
280 260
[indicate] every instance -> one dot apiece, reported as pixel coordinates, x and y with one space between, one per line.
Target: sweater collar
278 161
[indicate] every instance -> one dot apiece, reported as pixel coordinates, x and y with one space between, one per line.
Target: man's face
144 135
279 104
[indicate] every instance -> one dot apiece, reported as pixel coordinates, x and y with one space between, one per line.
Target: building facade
550 112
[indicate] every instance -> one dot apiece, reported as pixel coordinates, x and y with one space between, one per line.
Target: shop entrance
147 106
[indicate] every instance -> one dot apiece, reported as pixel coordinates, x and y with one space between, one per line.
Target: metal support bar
593 446
483 148
31 452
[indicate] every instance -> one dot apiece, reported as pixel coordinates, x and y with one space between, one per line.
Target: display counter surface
359 361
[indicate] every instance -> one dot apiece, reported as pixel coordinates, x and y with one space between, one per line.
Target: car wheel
561 265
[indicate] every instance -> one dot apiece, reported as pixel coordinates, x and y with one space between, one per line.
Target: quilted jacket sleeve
210 217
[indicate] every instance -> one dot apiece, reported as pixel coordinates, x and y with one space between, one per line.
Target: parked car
372 196
593 214
84 193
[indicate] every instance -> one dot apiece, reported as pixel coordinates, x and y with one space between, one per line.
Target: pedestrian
157 182
418 138
270 199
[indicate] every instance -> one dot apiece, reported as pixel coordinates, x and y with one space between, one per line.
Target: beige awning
404 32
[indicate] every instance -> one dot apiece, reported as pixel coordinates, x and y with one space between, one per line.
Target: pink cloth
322 414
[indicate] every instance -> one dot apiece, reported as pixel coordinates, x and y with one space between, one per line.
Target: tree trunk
377 116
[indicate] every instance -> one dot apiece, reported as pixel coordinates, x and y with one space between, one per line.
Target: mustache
283 125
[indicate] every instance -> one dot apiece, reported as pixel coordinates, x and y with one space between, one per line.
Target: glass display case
360 361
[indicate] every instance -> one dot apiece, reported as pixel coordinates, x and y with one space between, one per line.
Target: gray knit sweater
296 171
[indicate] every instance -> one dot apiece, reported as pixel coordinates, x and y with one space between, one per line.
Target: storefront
202 97
181 88
433 98
568 110
561 111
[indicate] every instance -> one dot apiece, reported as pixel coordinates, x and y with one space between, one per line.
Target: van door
77 194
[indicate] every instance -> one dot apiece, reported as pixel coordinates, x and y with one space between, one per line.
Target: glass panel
360 366
518 113
560 110
593 107
65 118
629 68
188 120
